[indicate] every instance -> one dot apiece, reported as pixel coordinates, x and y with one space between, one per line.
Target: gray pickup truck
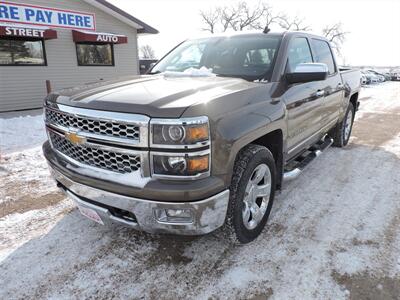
206 137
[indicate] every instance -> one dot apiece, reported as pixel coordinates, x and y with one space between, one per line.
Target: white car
380 76
371 78
374 78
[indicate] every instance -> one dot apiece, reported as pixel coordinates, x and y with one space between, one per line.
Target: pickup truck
205 139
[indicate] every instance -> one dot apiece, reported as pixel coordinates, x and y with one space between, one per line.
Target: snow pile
21 133
191 72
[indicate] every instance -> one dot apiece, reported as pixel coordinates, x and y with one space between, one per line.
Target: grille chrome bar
116 128
95 156
108 155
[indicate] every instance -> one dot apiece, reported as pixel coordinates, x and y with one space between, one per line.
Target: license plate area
90 214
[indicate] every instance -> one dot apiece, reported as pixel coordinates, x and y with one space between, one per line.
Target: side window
299 52
323 54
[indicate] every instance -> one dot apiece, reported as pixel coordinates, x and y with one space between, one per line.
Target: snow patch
21 133
191 72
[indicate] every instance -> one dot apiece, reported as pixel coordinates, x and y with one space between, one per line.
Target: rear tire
251 194
342 132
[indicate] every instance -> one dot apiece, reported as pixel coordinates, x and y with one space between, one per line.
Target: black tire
338 133
247 161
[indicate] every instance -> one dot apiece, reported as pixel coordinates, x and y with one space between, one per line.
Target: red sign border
48 33
81 36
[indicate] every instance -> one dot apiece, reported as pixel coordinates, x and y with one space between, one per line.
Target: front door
304 101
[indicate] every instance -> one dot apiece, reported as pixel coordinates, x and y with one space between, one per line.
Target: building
66 43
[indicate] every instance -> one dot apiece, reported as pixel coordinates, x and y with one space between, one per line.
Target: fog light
170 215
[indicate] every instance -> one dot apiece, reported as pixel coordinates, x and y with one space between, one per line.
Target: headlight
182 133
181 164
183 137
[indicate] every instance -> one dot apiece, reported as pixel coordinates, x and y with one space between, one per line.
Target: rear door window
323 54
299 52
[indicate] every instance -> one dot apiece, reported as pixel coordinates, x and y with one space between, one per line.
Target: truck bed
351 80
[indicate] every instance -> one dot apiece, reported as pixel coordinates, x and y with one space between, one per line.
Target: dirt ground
334 232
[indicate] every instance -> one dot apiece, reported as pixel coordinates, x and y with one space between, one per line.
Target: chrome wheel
347 125
256 198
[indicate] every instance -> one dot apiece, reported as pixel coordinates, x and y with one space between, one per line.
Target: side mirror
308 72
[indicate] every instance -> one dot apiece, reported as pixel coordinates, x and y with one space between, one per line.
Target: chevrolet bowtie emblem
74 138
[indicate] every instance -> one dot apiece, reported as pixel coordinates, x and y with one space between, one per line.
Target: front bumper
207 215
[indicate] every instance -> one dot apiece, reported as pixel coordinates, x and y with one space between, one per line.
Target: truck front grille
95 126
100 158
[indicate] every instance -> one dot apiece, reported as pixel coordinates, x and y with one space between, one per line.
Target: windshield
247 57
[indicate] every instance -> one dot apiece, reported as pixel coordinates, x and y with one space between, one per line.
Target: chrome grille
94 126
100 158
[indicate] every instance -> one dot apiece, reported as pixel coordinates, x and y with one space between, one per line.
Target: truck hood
155 96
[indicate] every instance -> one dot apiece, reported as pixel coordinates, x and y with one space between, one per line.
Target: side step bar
302 161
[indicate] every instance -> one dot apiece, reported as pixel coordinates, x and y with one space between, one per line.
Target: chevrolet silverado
206 137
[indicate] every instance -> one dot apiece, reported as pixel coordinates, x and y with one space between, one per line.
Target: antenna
266 29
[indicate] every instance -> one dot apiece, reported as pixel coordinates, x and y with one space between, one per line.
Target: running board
302 161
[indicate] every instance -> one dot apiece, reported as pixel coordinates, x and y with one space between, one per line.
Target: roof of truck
257 33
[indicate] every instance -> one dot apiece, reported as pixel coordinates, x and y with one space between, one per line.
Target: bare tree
268 18
249 16
147 52
239 17
210 18
242 16
296 23
335 35
228 16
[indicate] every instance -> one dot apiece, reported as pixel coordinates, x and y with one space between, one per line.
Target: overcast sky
373 25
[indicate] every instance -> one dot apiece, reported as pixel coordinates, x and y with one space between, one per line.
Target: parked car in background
146 64
381 77
388 77
395 76
371 78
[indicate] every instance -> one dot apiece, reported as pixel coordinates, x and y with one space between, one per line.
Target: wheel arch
273 140
354 100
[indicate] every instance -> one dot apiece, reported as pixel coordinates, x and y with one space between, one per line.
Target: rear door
304 101
332 86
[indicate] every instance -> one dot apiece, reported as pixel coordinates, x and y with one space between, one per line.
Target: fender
248 115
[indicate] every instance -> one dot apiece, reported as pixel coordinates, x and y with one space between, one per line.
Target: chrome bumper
207 214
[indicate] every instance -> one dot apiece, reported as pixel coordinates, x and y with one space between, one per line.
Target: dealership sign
30 32
39 15
101 37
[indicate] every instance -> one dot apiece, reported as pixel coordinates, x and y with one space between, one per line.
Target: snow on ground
19 133
334 232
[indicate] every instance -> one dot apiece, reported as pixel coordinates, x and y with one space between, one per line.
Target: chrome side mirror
308 72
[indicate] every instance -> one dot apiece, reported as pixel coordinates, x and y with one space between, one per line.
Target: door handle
320 93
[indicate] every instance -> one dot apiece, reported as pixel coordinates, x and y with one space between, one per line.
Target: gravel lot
333 233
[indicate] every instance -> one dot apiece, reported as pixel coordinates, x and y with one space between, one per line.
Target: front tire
342 132
251 193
